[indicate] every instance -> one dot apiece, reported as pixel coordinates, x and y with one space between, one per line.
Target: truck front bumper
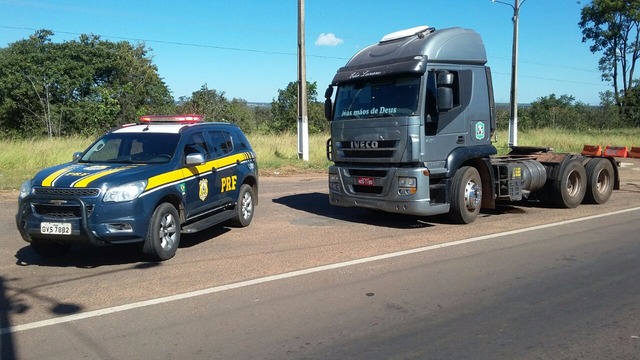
380 189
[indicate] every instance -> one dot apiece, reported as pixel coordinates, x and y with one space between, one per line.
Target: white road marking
216 289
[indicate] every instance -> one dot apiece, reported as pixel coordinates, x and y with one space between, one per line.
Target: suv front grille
66 191
61 211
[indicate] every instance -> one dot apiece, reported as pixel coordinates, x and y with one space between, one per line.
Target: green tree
239 113
75 87
613 28
207 102
285 110
552 112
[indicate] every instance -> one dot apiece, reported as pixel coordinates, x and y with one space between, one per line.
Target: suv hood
77 175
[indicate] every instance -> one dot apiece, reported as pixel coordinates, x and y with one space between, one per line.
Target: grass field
278 154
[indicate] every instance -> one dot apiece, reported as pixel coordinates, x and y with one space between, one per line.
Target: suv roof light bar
180 119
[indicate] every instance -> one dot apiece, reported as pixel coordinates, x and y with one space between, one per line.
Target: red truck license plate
366 181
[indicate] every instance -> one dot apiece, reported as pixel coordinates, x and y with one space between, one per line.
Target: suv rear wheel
244 207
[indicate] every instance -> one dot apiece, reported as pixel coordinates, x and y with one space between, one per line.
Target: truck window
387 97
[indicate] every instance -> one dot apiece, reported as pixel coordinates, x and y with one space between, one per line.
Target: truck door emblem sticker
204 189
183 189
479 130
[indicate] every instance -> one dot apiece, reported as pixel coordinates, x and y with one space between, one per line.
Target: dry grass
278 154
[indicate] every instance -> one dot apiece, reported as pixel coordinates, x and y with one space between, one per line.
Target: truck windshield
378 98
145 148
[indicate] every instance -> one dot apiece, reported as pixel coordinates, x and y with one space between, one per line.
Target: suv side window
222 143
196 143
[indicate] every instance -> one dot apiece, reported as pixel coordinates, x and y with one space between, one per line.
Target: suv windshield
378 98
143 148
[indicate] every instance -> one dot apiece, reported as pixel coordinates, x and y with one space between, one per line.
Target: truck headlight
334 182
125 192
25 189
407 185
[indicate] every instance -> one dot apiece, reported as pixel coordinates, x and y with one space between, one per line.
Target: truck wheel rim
167 232
602 183
472 196
573 183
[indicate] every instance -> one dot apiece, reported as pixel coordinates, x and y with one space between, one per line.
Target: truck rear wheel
599 181
163 236
466 195
569 189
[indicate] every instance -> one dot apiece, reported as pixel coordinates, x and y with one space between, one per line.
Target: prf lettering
229 183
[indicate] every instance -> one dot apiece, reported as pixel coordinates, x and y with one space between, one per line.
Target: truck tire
244 207
599 181
466 195
569 189
163 236
48 249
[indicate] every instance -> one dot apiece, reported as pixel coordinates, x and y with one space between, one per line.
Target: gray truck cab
408 110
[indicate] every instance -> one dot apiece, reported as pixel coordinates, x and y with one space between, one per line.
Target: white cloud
329 39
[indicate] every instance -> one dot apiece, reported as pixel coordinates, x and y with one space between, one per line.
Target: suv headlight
125 192
25 189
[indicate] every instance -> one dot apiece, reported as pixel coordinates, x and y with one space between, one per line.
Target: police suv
145 182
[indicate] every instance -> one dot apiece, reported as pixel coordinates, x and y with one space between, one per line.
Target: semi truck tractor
412 129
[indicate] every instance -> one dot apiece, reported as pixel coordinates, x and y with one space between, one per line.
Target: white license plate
53 228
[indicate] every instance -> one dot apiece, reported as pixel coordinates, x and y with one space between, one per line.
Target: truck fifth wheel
411 127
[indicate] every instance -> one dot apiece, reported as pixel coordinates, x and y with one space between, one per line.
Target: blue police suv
146 182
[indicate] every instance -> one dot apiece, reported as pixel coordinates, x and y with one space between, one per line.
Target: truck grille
61 211
369 173
66 191
383 149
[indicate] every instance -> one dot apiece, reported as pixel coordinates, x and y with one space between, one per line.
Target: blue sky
248 49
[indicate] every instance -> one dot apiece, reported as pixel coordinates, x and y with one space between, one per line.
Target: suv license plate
366 181
55 228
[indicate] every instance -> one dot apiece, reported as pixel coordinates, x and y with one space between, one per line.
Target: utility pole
513 121
303 119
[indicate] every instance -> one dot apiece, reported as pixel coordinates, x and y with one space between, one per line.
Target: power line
179 43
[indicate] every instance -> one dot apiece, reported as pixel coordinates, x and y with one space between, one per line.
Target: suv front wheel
163 236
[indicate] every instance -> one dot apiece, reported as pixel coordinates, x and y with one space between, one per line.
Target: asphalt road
572 286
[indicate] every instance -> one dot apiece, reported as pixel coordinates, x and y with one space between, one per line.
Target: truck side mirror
329 92
328 109
445 98
445 91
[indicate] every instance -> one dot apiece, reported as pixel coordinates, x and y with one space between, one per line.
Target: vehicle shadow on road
318 204
85 257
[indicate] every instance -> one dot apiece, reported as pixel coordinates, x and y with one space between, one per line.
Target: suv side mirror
195 159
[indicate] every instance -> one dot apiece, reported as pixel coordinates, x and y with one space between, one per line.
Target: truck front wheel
163 236
569 189
599 181
466 195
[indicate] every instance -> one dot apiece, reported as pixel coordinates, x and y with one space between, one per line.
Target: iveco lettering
143 183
